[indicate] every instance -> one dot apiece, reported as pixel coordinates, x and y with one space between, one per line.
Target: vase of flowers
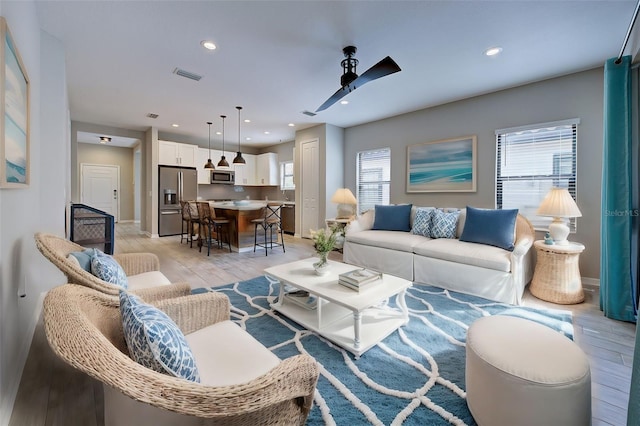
323 241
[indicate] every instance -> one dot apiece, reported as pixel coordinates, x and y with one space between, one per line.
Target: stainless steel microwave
223 176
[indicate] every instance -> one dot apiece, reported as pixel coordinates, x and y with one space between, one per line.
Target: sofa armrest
362 223
170 291
137 263
522 247
196 311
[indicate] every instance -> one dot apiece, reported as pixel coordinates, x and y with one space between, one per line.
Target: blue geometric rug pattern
413 377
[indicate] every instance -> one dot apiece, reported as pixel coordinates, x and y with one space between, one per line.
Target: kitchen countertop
252 205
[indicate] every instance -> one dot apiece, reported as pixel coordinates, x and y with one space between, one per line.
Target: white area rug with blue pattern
413 377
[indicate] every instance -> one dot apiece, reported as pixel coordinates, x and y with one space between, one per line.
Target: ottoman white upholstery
519 372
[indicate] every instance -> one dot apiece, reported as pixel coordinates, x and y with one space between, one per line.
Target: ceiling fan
350 81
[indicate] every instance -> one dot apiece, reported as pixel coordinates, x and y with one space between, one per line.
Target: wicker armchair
56 249
84 328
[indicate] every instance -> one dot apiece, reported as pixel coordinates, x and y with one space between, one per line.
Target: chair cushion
227 355
83 258
392 218
154 340
490 226
422 221
107 269
444 224
147 280
453 250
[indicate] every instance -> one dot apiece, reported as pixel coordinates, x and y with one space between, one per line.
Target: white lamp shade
558 203
343 196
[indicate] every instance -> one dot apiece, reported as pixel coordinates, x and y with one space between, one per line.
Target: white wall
41 206
574 96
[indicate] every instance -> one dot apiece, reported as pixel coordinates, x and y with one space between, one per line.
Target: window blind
286 176
373 178
530 160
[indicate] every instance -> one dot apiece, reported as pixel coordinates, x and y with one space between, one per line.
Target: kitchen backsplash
231 192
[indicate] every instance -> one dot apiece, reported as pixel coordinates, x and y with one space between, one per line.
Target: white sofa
478 269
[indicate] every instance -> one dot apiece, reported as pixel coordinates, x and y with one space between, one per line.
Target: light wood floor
53 393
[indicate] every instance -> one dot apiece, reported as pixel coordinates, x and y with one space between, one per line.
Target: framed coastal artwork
14 102
442 166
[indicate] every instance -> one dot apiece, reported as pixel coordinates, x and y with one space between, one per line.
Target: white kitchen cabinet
177 154
267 169
246 174
204 175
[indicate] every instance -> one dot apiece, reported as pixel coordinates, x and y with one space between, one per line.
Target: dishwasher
289 219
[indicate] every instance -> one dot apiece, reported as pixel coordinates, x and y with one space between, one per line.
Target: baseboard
9 398
126 221
592 282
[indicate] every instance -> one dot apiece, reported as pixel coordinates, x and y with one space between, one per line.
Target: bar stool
270 219
220 222
195 220
210 223
186 221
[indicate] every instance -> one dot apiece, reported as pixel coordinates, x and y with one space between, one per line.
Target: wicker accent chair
56 249
85 329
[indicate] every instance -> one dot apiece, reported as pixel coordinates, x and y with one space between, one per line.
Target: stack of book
302 298
359 279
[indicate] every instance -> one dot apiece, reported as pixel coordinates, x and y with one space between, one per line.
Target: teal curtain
617 290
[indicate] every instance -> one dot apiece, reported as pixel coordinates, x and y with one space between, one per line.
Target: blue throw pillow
422 222
107 269
444 224
84 258
393 218
154 340
491 227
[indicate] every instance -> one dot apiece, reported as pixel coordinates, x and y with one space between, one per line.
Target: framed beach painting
14 102
442 166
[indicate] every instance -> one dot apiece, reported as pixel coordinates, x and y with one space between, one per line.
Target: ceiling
279 58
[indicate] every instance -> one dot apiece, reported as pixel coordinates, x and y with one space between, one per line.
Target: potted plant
324 240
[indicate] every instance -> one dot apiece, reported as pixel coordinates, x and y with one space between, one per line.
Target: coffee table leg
280 293
403 307
357 323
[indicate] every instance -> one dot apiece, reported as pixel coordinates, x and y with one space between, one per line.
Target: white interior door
310 187
100 187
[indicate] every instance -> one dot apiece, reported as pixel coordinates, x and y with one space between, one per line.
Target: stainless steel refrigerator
175 184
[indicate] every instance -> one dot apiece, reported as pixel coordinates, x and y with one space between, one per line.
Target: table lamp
559 204
346 203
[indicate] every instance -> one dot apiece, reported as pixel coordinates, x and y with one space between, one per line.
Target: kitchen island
240 217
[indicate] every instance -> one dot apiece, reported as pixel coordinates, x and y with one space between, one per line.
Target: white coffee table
356 321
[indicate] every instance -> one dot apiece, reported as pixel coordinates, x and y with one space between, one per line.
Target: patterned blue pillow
422 222
154 340
444 225
107 269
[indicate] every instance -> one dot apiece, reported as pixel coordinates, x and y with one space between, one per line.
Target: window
530 161
286 175
373 178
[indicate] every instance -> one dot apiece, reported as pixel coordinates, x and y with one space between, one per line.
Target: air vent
152 115
187 74
309 113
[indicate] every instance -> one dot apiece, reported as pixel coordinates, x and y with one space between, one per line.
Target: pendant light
239 160
223 161
209 164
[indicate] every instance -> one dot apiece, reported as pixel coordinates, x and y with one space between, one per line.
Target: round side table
557 275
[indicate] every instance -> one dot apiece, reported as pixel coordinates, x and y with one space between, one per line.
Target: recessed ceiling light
246 120
175 125
344 102
267 132
105 139
493 51
208 44
218 133
291 125
248 139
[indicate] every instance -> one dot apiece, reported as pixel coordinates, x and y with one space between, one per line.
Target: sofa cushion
108 269
422 221
490 226
147 280
393 218
227 355
444 224
394 240
458 251
154 340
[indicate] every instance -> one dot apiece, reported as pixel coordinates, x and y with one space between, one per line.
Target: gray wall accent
116 156
574 96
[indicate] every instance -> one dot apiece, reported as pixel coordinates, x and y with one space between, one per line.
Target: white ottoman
519 372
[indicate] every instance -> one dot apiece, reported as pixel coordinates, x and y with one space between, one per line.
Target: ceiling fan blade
383 68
